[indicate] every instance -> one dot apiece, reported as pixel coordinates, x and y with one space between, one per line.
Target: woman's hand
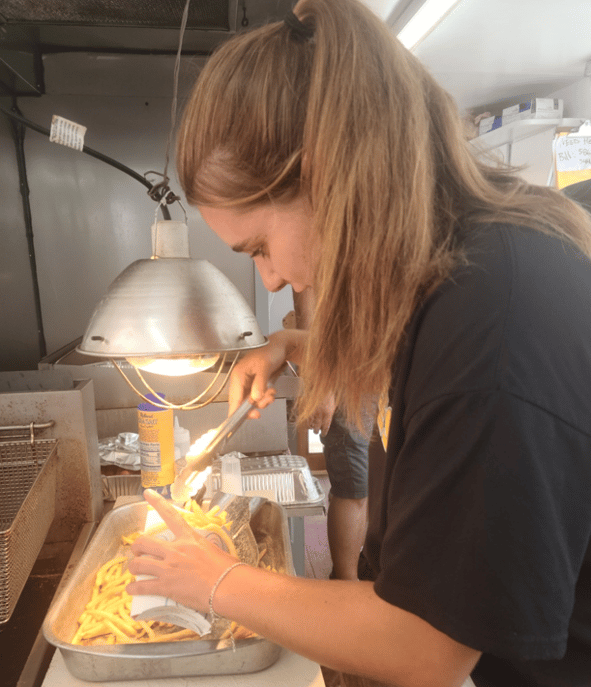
251 375
184 570
320 421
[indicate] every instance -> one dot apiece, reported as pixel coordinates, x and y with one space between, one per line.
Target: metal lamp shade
171 307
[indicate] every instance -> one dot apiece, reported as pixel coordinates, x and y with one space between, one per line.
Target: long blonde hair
352 119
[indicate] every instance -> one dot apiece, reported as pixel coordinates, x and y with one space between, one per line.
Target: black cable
18 132
92 153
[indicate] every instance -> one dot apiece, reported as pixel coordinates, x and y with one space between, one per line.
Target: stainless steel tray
167 659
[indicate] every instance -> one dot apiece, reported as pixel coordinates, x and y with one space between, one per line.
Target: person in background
448 288
345 455
580 192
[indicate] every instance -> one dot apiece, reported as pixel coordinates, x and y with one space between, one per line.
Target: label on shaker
151 459
156 440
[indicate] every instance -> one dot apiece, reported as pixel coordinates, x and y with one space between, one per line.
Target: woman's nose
272 281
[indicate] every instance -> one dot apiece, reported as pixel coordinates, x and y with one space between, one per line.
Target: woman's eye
258 252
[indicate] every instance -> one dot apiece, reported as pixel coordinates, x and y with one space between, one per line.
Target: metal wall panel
91 220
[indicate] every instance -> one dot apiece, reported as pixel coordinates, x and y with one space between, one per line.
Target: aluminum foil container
115 486
166 659
286 478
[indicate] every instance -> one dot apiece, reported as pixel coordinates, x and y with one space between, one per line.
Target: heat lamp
172 315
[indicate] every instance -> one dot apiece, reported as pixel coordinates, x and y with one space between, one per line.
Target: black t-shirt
480 510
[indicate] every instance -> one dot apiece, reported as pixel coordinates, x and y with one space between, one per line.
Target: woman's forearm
345 626
298 614
291 341
252 373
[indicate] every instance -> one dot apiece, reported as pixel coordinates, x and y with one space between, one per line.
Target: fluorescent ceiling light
430 14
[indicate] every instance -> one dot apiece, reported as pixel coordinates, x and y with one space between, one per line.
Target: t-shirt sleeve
483 537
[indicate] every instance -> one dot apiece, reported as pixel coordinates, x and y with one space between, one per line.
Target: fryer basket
27 507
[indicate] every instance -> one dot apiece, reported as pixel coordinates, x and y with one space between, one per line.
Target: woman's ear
289 321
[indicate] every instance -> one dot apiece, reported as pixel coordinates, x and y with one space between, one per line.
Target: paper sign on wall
572 156
573 153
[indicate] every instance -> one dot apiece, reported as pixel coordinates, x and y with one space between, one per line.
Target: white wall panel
535 154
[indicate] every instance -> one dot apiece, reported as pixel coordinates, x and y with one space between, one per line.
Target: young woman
449 288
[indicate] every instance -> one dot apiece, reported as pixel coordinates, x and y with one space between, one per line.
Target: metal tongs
183 486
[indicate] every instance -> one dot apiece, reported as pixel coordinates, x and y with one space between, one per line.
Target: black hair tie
298 30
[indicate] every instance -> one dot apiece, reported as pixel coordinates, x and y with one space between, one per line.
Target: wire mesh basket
27 507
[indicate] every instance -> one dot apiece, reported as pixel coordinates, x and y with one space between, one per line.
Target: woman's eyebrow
247 245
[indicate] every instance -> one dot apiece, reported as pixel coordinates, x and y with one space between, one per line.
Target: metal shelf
520 129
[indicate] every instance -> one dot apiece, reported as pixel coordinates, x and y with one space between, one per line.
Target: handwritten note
573 153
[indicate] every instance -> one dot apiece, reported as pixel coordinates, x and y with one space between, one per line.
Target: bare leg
346 525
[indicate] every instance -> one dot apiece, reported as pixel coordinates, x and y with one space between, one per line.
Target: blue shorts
345 455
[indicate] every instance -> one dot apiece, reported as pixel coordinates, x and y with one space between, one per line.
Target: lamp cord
89 151
173 108
159 192
18 131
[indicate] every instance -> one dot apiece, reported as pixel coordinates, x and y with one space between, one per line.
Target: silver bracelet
212 613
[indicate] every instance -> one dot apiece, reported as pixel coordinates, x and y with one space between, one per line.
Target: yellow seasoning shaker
156 437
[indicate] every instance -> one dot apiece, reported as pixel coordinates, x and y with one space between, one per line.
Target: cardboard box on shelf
488 124
536 108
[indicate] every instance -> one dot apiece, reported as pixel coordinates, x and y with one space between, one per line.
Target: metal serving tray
166 659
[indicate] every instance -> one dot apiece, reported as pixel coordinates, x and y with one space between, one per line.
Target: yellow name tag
383 419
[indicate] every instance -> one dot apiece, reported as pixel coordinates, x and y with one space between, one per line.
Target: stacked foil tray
27 507
286 477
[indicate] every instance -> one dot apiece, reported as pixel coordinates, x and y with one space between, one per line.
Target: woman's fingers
250 377
185 569
266 398
250 383
171 516
239 388
148 546
139 587
145 565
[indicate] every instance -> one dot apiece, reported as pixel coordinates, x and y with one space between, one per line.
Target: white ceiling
486 52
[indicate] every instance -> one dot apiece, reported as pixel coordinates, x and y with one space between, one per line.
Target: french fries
106 617
212 521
